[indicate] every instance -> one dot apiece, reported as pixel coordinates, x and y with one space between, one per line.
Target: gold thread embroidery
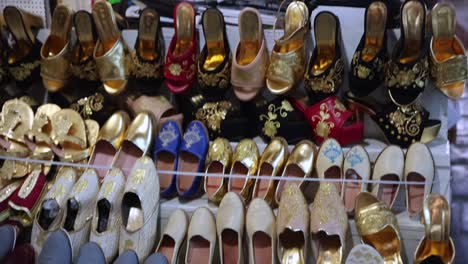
212 114
270 127
217 80
138 177
323 127
23 71
175 69
80 186
86 71
88 105
108 188
142 69
8 190
407 78
407 120
29 184
328 83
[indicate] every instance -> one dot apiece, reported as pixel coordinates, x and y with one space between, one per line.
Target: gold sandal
437 241
288 58
448 60
24 57
55 53
111 52
16 121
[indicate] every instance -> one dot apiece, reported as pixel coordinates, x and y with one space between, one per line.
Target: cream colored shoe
79 210
261 233
330 161
201 237
105 225
364 254
328 225
230 227
292 225
388 167
140 208
419 167
356 166
52 209
173 236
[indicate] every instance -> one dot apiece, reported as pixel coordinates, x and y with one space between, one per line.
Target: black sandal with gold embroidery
325 73
408 68
83 65
279 118
214 63
24 58
401 125
221 118
368 64
148 56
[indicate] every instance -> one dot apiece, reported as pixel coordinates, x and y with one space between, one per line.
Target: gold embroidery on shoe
128 244
325 204
217 80
407 120
192 136
11 119
142 69
8 190
88 105
212 114
411 78
86 71
270 127
327 83
364 72
138 177
29 184
323 127
167 134
59 192
80 186
108 188
23 71
175 69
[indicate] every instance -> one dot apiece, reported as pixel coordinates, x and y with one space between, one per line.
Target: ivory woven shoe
173 236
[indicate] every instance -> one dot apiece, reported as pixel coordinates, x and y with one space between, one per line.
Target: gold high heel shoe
55 53
378 227
24 56
448 60
288 58
244 162
272 162
111 52
437 241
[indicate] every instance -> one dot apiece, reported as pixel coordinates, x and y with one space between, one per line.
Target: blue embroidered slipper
166 156
192 159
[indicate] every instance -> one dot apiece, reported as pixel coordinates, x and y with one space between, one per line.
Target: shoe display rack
432 99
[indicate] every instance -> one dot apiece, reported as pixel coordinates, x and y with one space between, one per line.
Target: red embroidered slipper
180 70
330 119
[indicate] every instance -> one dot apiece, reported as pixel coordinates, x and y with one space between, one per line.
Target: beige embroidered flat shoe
292 226
300 164
329 241
105 225
330 161
140 208
244 162
218 161
261 233
419 167
272 162
230 227
201 237
51 213
79 210
388 167
55 53
173 236
356 166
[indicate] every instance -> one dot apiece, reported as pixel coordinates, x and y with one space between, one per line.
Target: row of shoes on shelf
257 235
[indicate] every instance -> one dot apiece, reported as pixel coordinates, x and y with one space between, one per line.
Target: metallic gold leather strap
450 71
115 63
374 218
57 67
